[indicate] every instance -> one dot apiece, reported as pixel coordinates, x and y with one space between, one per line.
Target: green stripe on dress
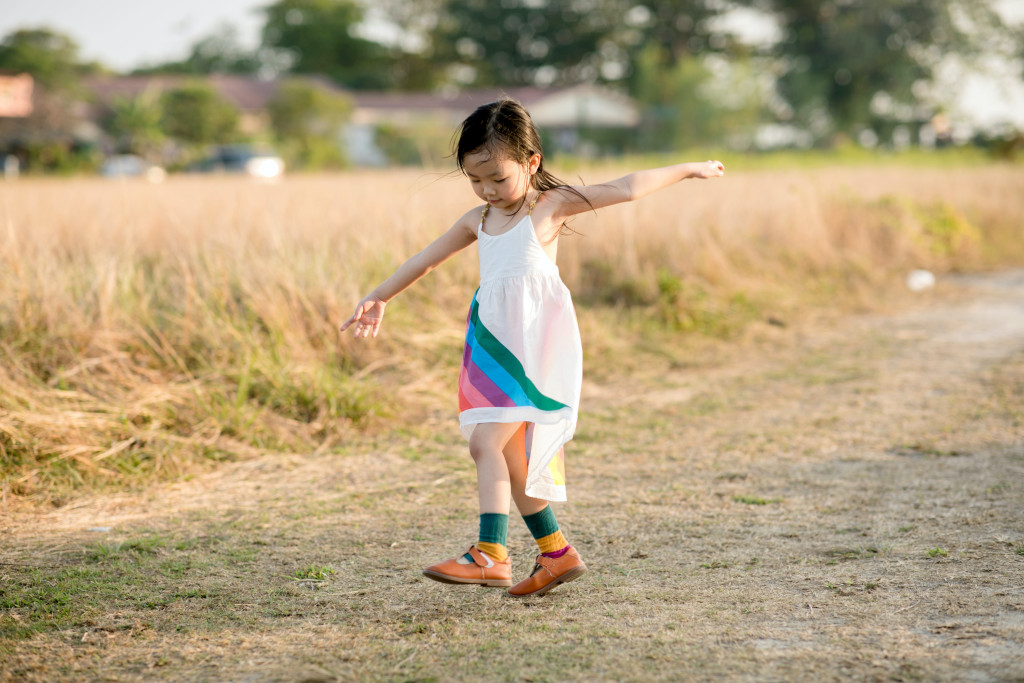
507 360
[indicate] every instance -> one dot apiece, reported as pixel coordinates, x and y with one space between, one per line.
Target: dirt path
831 502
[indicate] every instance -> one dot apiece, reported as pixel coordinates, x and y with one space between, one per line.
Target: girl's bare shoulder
470 220
562 202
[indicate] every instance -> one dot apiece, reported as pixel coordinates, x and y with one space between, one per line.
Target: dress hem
554 494
474 416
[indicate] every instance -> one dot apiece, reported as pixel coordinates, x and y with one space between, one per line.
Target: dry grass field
787 467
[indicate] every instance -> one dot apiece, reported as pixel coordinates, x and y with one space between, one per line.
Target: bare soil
841 499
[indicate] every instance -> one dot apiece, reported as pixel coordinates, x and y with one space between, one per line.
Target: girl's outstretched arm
634 186
370 311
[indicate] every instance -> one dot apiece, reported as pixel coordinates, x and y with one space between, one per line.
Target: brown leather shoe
549 572
484 571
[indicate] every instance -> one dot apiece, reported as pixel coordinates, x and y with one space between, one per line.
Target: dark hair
505 128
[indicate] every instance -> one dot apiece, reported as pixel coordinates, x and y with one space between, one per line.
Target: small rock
920 280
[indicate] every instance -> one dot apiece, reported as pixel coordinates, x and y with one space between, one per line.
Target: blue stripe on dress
497 374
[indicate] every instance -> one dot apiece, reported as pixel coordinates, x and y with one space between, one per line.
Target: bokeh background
330 83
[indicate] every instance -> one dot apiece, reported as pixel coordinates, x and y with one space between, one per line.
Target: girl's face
498 180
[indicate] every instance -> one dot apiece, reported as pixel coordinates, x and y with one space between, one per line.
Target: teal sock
493 535
544 528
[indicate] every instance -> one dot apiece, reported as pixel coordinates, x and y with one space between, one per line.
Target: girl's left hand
709 169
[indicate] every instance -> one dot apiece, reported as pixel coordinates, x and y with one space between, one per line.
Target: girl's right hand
367 318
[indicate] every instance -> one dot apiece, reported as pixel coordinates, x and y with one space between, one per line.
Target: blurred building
394 127
15 94
570 118
15 103
250 96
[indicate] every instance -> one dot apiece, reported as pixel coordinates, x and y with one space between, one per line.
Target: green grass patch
755 500
314 572
715 565
193 584
836 555
666 300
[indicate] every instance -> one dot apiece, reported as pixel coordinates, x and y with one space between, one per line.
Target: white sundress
523 360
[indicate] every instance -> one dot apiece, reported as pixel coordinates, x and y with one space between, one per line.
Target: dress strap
534 203
483 215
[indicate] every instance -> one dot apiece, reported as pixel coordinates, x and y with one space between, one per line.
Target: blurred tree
47 139
677 115
540 42
682 28
51 58
195 113
668 43
137 124
412 62
318 37
220 52
696 102
528 42
307 120
847 67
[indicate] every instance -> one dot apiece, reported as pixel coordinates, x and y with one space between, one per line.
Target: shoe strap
478 557
542 563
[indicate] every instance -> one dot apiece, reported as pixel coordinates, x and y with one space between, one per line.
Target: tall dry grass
148 329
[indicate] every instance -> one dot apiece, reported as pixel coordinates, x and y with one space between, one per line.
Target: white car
254 162
132 166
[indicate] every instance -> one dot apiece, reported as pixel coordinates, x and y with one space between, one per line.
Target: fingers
345 325
367 328
364 326
360 310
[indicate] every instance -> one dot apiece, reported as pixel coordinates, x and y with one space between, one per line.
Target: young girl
519 387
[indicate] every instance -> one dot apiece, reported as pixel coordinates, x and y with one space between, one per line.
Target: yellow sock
552 543
495 551
544 529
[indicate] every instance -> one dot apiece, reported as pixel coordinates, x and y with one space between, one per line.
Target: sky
131 33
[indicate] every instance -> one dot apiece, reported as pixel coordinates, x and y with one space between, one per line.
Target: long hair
505 128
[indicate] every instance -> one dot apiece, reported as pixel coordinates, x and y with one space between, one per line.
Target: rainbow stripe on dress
491 375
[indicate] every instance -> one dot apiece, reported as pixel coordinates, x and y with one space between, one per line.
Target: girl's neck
502 220
525 203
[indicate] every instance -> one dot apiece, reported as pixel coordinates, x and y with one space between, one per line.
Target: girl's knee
489 440
479 448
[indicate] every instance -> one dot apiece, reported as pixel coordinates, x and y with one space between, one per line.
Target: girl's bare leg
486 445
515 460
486 563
